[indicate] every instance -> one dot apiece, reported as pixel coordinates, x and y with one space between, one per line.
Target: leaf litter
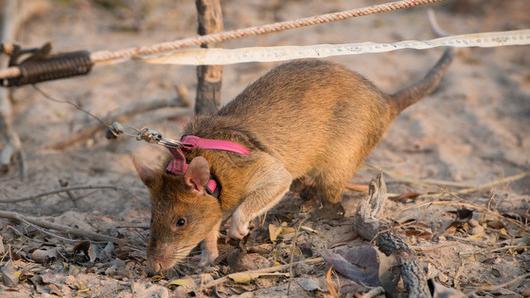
474 255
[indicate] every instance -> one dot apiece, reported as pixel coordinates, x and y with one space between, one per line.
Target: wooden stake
209 77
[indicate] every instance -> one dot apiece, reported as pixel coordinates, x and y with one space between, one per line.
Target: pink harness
178 165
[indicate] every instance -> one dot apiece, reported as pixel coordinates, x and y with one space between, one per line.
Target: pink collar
178 165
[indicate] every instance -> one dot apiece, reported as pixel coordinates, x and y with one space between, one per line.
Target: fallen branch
61 228
374 292
182 101
370 227
12 147
225 278
410 180
503 285
291 258
468 205
419 196
485 186
62 190
357 187
209 77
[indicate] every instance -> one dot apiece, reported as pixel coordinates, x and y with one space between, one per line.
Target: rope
125 54
104 57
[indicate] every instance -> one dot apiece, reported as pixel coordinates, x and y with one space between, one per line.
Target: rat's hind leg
336 172
268 187
330 184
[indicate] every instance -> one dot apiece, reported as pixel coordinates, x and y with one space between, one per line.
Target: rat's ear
146 173
198 174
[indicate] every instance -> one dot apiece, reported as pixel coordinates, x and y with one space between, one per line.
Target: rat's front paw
239 228
208 257
238 231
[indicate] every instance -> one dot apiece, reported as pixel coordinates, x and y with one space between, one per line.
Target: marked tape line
218 56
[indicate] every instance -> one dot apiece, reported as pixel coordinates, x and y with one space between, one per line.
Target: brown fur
306 117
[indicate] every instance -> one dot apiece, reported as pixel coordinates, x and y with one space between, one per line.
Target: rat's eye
181 222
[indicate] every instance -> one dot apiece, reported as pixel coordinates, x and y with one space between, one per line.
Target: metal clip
149 135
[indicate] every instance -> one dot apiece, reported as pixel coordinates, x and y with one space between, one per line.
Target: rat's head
182 213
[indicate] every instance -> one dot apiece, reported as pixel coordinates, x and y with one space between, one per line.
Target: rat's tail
409 95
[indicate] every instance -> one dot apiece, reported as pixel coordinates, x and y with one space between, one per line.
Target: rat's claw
238 230
208 257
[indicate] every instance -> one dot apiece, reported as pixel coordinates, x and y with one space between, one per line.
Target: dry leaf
439 291
330 284
185 282
274 232
44 255
308 284
359 264
106 253
55 290
2 248
245 295
247 277
144 291
10 275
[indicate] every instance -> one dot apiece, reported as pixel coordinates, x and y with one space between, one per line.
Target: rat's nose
154 267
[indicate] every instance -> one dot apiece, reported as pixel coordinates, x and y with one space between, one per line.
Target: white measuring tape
218 56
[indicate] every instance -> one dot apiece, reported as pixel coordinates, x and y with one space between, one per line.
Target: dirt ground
474 130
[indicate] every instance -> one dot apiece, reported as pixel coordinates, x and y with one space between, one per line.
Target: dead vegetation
79 225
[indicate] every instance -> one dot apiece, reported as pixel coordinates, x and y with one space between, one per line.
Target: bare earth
475 129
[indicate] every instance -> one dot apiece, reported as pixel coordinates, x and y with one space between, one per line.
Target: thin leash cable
145 134
78 107
75 105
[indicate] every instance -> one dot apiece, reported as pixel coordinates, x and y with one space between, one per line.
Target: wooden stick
58 227
503 285
410 180
66 189
468 205
209 77
357 187
12 145
223 279
485 186
370 226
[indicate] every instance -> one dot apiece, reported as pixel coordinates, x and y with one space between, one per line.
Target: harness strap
189 142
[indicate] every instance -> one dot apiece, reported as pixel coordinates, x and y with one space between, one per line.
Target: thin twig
410 180
58 227
470 206
503 285
374 292
357 187
48 232
66 189
223 279
508 247
291 258
481 187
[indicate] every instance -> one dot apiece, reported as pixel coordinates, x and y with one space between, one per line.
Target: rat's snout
162 255
153 266
157 262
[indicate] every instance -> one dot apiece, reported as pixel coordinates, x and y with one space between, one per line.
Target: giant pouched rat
306 117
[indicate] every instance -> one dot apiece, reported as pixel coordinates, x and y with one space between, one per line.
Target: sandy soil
473 130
